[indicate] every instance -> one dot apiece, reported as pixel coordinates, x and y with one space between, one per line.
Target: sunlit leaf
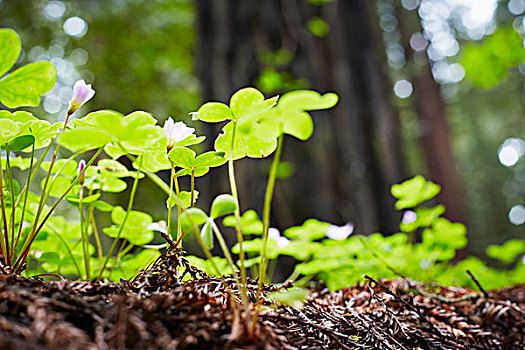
251 145
414 191
192 216
310 230
135 228
10 47
19 143
507 252
8 130
24 86
207 235
182 157
213 112
210 159
223 204
250 223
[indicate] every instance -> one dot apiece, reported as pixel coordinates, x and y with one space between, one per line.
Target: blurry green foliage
138 54
487 63
318 27
275 76
340 263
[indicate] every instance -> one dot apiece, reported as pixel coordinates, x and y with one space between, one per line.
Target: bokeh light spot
54 10
75 26
516 7
410 4
403 88
517 214
418 42
52 104
511 151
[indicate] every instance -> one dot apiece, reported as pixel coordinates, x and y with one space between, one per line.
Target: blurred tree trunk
431 112
345 171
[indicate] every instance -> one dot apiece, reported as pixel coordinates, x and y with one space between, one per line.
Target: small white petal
340 232
176 132
158 226
273 233
409 217
282 242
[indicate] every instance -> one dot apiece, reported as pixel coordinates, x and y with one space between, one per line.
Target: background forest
433 87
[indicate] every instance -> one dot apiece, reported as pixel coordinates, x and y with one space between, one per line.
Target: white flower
274 234
158 226
340 232
82 93
176 132
409 217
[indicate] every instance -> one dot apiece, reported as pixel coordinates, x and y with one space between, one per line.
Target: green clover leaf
250 223
136 132
414 191
223 204
42 131
24 86
135 228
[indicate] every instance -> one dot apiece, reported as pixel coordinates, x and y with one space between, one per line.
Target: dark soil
156 311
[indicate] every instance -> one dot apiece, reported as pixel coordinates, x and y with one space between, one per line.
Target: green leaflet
25 85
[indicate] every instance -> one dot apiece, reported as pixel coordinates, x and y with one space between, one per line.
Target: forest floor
156 311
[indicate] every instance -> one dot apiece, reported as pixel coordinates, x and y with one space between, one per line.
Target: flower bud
81 167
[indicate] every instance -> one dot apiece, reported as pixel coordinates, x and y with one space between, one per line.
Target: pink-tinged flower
274 234
81 167
340 232
82 93
176 132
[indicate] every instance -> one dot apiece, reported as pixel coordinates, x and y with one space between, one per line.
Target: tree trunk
345 171
431 112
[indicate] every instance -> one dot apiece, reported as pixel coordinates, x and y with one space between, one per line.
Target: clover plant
85 165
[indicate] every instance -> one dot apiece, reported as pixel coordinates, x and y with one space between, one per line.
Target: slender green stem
123 223
9 175
172 175
91 219
179 210
192 187
4 242
59 171
122 251
84 233
293 276
227 255
25 199
69 252
266 219
271 268
163 186
41 204
27 244
53 231
237 213
36 167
